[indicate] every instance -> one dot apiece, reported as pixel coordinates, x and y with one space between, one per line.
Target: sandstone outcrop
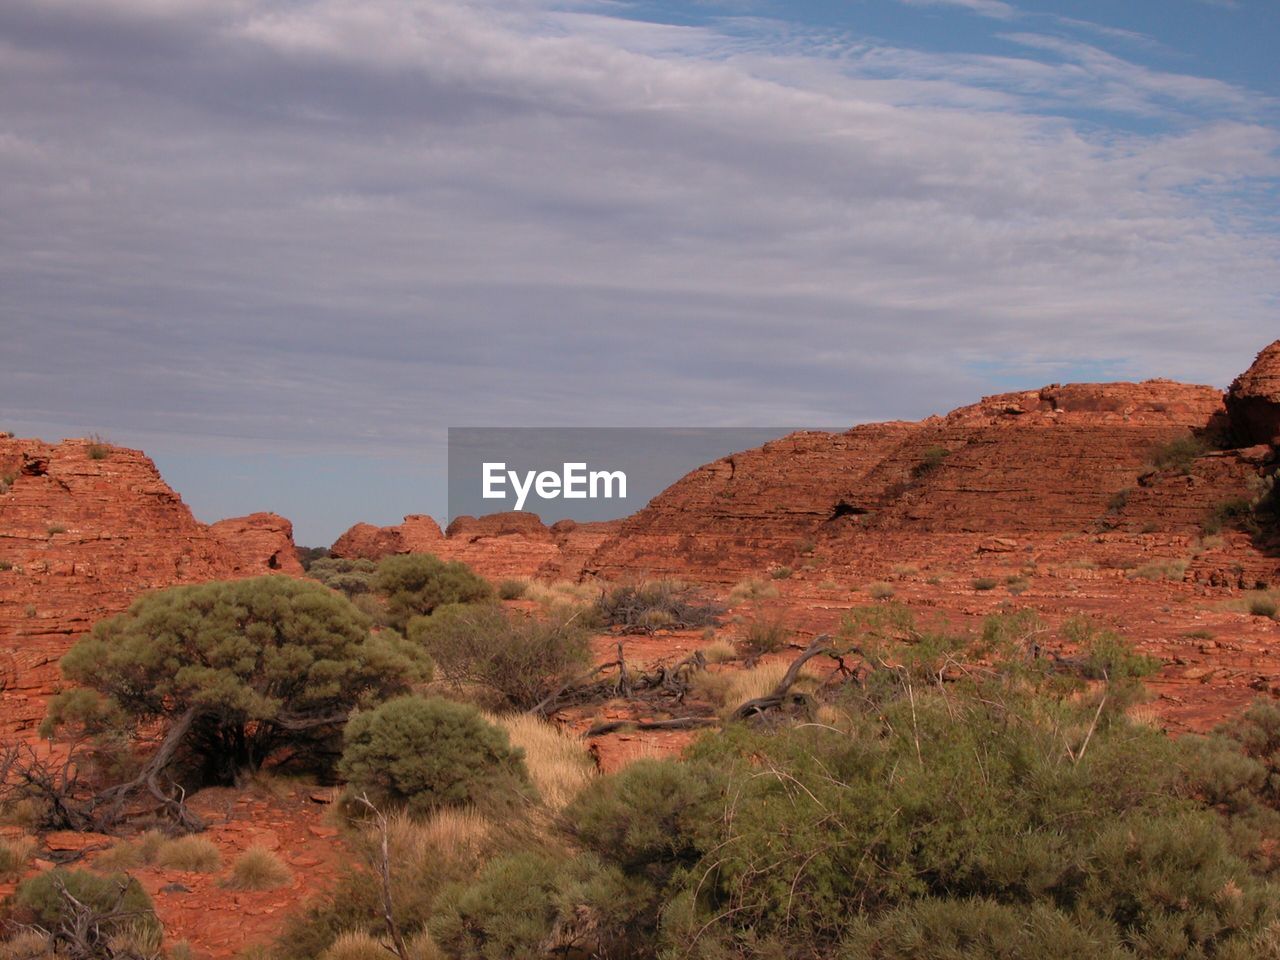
1254 400
260 543
1074 458
497 545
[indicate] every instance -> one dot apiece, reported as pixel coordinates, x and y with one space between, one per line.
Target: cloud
340 226
997 9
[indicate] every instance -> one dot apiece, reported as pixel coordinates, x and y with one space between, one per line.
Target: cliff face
1254 399
84 529
1064 459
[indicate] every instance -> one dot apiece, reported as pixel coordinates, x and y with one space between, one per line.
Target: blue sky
283 246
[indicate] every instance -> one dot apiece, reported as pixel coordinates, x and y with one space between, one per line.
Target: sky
283 245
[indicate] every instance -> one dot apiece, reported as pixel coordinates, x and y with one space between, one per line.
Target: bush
234 671
1178 454
1263 607
258 869
421 754
531 905
660 604
781 573
193 854
985 583
97 449
352 577
514 659
110 905
880 591
1233 512
416 583
511 589
764 635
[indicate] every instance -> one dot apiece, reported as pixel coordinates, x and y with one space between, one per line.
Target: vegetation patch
656 605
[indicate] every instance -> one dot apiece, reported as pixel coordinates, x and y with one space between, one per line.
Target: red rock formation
497 545
1254 400
260 542
84 529
1073 458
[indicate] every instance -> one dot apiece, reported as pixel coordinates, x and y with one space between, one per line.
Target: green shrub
1178 454
781 573
416 583
985 583
880 591
514 659
234 670
659 604
352 577
532 905
116 901
511 589
422 754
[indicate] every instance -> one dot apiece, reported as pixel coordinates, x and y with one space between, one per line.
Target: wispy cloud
997 9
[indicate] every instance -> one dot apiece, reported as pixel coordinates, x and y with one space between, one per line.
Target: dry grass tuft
135 853
29 945
721 651
358 945
14 855
760 681
192 854
559 765
752 588
258 869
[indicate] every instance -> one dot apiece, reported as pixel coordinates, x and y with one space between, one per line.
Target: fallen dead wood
674 723
781 693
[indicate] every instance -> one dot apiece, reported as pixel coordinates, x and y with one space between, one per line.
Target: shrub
258 869
193 854
55 528
660 604
719 651
532 905
309 555
765 635
1233 512
781 573
1262 607
1178 454
517 660
234 671
1163 570
985 583
103 906
97 448
352 577
511 589
416 583
930 460
421 754
880 591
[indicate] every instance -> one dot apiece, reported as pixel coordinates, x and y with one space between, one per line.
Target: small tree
422 754
416 583
229 673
